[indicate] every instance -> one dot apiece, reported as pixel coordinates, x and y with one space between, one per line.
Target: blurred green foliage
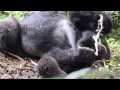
115 19
19 15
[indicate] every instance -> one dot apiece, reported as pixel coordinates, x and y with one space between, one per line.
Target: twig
100 61
103 46
34 63
17 57
94 65
97 37
7 28
104 62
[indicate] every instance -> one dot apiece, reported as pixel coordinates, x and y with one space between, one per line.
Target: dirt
12 68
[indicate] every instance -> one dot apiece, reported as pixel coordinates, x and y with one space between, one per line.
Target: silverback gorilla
50 36
44 34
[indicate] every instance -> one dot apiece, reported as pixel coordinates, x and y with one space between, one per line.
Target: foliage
17 14
113 40
115 16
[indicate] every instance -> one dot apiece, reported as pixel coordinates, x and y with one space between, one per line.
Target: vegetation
17 14
103 69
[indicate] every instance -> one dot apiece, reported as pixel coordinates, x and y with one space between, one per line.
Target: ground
12 68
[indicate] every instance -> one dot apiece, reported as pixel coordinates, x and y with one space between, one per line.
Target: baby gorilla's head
48 67
88 20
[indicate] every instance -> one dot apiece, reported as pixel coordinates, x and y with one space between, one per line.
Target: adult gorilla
49 34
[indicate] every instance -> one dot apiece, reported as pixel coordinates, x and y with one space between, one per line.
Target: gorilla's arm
69 56
58 62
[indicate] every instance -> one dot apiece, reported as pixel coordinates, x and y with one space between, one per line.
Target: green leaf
112 63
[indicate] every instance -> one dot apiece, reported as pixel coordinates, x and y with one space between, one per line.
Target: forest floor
12 68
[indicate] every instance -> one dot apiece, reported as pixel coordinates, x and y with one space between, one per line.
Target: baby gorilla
48 67
88 41
9 35
50 33
88 20
86 23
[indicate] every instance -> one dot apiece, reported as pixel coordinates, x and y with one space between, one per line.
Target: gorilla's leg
58 62
70 60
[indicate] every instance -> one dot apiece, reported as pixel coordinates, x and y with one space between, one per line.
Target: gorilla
9 35
88 41
51 34
48 67
88 20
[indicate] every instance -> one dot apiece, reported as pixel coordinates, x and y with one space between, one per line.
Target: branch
22 63
97 37
6 28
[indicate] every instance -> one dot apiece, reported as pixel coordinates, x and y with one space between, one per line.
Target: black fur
86 23
9 35
87 20
70 60
88 41
48 67
42 34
